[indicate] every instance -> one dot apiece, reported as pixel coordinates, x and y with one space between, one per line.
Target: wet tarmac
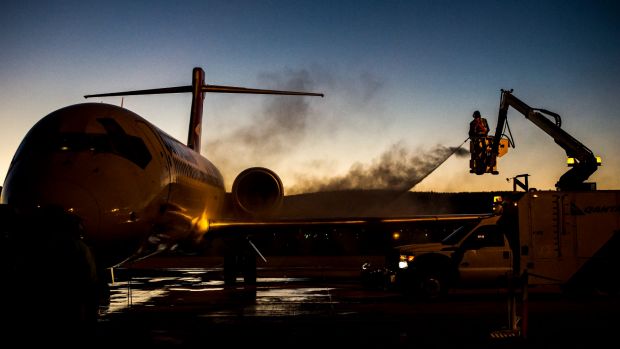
191 307
297 302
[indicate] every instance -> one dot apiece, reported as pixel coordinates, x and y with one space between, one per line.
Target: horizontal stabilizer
205 88
198 88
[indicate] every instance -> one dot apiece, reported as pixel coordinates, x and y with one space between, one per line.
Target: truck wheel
432 285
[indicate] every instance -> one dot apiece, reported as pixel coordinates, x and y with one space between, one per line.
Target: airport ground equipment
581 159
566 239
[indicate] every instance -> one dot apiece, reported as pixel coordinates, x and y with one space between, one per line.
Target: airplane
116 188
135 189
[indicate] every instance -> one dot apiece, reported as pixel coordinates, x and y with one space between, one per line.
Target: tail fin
195 117
198 88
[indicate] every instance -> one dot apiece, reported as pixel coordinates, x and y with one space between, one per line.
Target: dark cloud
285 121
282 120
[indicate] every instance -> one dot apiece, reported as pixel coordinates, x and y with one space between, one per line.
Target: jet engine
257 191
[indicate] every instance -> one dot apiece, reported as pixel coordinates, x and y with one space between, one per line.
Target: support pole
524 305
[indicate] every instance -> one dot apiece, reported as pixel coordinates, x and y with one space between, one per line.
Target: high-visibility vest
481 128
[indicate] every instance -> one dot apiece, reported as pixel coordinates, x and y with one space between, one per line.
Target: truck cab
475 254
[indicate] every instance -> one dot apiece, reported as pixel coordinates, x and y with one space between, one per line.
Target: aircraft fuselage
135 189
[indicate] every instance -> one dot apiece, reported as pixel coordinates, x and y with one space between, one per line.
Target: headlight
404 260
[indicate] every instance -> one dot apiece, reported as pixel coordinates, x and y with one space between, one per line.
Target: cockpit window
130 147
45 137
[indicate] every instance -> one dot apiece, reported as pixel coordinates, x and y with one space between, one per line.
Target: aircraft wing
216 226
386 231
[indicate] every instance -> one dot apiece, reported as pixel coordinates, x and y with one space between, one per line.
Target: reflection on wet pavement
269 300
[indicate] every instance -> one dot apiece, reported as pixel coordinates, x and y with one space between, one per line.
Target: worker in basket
478 131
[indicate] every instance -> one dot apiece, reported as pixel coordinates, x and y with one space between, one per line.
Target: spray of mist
284 121
398 168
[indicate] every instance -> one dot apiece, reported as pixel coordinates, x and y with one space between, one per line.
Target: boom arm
585 161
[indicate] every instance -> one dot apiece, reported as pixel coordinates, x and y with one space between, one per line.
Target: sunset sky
401 80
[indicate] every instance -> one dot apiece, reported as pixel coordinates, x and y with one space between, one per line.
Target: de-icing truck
566 239
569 237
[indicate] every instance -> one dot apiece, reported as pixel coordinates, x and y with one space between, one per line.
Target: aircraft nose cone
44 192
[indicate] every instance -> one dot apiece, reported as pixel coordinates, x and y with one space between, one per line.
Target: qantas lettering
602 209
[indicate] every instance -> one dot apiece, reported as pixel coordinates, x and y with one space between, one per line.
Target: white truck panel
560 231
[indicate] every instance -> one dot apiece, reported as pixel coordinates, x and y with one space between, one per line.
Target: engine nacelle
257 191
